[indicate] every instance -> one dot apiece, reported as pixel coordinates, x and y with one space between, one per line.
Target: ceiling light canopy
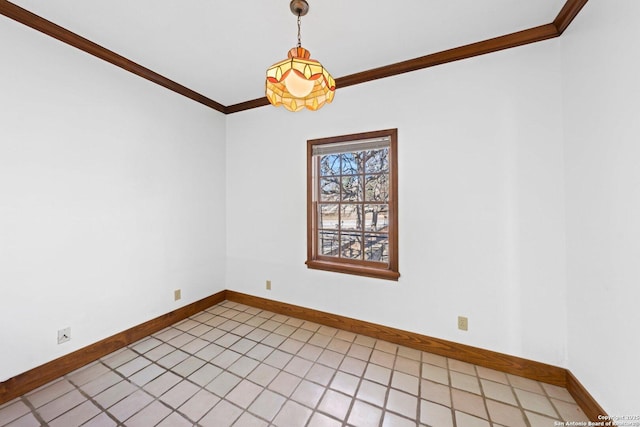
299 81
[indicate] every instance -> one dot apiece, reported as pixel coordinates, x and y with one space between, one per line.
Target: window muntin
352 204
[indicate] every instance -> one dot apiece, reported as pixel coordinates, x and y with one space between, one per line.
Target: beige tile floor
234 365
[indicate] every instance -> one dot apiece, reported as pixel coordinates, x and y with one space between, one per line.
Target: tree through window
352 204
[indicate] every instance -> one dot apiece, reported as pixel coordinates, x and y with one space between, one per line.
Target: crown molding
519 38
34 21
496 44
568 12
532 35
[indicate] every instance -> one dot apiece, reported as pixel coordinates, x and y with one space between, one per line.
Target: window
352 204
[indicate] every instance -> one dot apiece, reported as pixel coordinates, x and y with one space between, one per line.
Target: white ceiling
222 49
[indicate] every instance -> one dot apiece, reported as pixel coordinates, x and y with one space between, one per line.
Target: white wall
602 130
111 194
110 191
481 202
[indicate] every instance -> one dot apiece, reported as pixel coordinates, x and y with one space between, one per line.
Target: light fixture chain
299 42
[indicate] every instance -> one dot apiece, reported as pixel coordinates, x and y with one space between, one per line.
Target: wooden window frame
388 271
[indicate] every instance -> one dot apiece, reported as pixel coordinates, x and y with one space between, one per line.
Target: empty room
431 217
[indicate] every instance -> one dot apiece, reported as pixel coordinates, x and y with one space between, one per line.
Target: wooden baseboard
489 359
501 362
583 398
36 377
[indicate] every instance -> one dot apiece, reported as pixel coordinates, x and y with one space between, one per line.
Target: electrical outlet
268 285
177 294
463 323
64 335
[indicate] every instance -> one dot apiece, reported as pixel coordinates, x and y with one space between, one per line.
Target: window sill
359 270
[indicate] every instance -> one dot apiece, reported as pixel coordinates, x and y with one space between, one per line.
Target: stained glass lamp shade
299 81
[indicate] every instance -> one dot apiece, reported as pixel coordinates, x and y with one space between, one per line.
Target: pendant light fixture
299 81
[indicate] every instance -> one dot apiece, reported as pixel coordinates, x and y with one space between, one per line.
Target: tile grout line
90 399
454 418
484 399
223 398
419 411
236 322
24 399
281 370
154 362
138 387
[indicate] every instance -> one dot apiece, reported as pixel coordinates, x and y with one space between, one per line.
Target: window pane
330 165
351 163
351 245
351 188
376 217
351 217
328 243
329 189
377 160
328 216
377 188
376 247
